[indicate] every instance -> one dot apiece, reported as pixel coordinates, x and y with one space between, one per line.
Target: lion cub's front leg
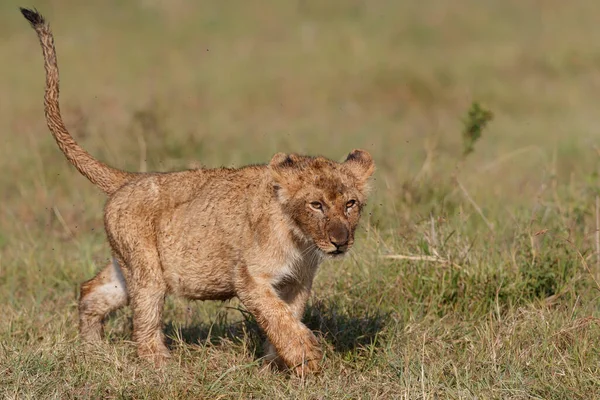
295 344
296 295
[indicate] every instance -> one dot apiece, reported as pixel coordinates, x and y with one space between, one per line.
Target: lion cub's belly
198 269
199 281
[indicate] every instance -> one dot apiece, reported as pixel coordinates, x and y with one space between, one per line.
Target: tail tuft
33 16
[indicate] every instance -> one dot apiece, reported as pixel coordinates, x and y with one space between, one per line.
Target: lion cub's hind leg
104 293
129 217
147 291
147 303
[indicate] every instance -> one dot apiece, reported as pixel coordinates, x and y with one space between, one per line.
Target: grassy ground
491 293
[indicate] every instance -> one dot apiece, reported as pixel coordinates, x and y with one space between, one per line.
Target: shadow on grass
345 330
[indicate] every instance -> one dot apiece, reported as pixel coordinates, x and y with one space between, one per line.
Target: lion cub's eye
350 203
315 205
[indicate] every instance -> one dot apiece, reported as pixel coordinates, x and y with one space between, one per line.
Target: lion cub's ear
281 168
361 165
284 160
278 159
277 166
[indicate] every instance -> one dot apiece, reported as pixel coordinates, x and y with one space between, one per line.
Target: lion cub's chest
300 267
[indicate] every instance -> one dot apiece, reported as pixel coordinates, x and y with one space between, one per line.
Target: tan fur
257 232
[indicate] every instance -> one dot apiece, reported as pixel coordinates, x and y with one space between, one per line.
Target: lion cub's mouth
336 253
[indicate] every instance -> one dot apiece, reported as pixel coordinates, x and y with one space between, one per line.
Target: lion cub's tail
106 178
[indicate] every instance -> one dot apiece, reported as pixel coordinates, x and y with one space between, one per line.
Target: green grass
472 276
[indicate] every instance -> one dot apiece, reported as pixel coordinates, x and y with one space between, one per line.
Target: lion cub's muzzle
339 236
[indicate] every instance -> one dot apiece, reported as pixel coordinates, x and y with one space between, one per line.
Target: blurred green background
491 290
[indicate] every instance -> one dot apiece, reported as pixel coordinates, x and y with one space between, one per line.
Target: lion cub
257 232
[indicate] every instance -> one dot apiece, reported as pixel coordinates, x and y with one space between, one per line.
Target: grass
474 275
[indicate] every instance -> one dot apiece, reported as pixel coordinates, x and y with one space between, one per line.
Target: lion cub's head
324 198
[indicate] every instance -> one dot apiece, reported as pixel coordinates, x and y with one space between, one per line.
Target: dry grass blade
475 206
584 263
420 258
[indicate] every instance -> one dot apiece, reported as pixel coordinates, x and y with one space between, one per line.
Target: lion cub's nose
339 235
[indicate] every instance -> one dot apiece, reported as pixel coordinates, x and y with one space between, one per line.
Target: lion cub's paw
304 354
311 363
156 357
